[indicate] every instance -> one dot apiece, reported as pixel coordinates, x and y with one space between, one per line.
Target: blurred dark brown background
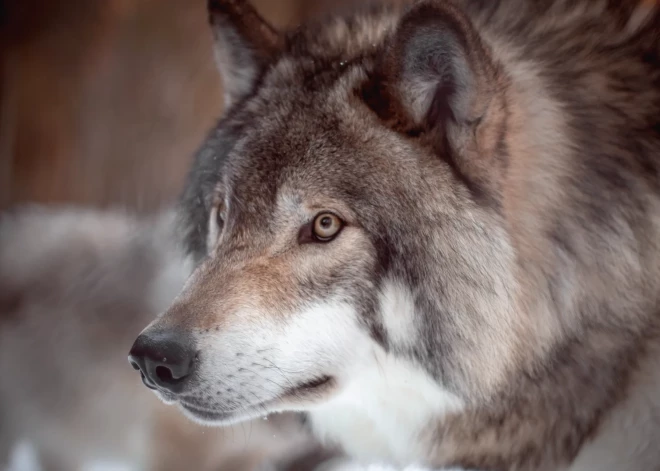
103 102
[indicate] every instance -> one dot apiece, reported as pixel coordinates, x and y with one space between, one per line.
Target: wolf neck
383 413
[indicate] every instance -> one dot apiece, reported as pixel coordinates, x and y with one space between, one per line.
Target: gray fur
498 159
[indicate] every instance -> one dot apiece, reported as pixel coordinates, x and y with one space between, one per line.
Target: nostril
165 374
145 381
134 364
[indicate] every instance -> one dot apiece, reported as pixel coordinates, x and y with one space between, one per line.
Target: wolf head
345 208
470 200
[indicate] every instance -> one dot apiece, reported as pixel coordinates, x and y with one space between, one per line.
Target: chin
219 419
165 398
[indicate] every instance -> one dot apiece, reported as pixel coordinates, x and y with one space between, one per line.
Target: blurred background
103 102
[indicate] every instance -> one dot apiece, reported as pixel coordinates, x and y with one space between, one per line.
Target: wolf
75 283
432 227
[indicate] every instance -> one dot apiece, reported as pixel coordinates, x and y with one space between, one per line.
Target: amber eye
326 226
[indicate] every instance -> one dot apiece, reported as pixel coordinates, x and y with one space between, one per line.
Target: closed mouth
305 390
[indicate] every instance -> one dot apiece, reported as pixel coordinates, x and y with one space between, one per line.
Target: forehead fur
347 36
320 57
318 53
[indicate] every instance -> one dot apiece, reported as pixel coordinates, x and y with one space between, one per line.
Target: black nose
164 360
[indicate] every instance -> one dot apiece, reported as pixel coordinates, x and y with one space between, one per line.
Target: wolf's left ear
435 69
244 45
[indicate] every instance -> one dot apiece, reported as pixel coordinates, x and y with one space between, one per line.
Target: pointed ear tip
214 7
225 3
223 6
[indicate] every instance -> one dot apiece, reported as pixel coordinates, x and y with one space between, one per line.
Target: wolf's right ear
434 71
244 45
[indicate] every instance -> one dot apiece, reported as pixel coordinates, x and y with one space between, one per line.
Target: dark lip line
309 386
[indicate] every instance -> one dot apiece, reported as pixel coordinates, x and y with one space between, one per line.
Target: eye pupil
326 226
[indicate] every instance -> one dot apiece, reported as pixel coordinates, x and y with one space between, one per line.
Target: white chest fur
381 414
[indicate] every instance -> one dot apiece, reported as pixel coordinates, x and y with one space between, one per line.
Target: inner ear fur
437 77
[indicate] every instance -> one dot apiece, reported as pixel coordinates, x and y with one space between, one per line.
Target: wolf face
373 236
326 236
